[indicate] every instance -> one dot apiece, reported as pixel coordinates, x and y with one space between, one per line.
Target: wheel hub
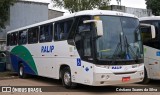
67 78
21 71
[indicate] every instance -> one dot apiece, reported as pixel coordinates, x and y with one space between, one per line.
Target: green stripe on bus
24 54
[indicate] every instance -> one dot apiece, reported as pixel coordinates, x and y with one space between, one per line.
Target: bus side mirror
99 26
148 30
153 31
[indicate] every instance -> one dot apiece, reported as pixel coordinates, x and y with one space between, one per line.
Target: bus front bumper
101 79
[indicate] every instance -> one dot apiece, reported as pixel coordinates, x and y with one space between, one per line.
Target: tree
78 5
154 5
4 11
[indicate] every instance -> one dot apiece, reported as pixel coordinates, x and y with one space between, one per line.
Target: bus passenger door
83 39
84 44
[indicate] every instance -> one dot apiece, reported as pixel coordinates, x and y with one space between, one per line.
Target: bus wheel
146 79
66 78
21 72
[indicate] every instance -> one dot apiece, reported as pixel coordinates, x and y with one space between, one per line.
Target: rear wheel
66 78
21 72
146 79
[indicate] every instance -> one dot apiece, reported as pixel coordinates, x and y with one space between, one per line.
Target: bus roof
85 12
150 18
103 12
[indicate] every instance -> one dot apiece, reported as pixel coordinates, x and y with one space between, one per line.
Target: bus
91 47
151 48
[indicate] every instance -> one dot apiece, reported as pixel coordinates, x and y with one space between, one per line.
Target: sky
127 3
131 3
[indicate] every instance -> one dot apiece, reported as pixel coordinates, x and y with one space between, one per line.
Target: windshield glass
146 34
121 39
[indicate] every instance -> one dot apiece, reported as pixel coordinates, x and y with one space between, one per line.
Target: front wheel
66 78
21 72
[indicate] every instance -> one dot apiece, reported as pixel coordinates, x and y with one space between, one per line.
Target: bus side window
33 35
46 32
22 37
14 38
56 31
67 28
83 27
62 30
8 39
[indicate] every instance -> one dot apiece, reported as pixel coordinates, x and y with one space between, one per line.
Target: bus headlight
103 66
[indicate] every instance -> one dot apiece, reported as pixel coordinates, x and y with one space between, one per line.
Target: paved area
13 80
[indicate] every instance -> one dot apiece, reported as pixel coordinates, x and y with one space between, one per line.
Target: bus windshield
121 39
146 34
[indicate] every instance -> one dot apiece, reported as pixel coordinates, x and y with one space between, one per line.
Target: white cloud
47 1
131 3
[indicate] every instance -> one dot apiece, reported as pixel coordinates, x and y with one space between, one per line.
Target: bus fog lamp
102 82
102 76
107 76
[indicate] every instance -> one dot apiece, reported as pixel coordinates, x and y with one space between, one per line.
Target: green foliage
154 5
78 5
4 11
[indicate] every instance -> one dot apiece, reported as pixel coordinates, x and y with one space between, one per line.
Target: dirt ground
56 88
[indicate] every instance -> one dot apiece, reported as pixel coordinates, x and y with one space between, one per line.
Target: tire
21 72
146 80
66 79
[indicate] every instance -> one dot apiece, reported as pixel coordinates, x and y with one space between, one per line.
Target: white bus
91 47
151 48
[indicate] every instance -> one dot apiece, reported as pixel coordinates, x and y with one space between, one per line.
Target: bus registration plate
125 79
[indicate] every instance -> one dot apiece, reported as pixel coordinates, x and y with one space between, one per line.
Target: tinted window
22 37
14 38
62 30
82 27
8 39
46 33
146 35
33 35
83 37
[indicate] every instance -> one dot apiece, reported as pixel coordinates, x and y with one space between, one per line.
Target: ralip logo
117 67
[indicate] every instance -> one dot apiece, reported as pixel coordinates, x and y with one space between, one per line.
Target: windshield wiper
125 53
116 52
129 48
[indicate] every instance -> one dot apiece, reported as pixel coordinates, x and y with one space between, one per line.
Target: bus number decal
47 49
